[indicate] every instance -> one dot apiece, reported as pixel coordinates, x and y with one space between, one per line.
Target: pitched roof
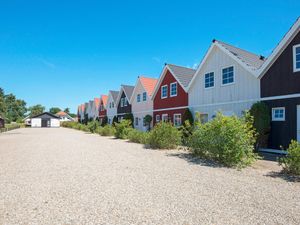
97 102
148 84
114 95
250 59
104 99
61 113
183 74
128 89
285 41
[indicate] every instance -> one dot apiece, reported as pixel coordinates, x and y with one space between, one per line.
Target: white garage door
55 123
298 123
36 122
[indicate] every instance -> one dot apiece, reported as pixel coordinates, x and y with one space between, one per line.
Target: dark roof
114 95
47 114
183 74
128 89
250 59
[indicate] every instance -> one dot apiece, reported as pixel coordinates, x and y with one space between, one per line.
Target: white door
298 123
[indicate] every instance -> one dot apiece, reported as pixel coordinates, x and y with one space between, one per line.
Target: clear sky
63 53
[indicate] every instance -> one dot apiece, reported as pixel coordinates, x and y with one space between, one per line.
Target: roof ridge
170 64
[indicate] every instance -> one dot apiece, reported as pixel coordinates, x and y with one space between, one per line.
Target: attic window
296 58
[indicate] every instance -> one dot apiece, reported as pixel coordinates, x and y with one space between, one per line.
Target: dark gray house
123 106
280 89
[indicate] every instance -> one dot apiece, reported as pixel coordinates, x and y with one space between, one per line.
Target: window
164 117
164 91
136 121
177 120
125 102
278 114
227 75
112 105
144 96
296 56
209 80
157 118
138 98
173 89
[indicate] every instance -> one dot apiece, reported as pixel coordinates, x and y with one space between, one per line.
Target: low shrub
164 136
187 130
291 163
93 126
229 140
107 130
137 136
122 129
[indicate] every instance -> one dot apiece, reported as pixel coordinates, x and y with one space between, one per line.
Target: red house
170 97
102 107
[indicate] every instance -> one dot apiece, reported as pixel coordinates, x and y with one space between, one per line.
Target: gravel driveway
63 176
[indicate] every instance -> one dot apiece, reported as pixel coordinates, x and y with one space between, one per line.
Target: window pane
298 57
298 65
298 50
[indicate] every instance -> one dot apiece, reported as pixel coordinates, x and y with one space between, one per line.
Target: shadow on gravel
284 176
192 159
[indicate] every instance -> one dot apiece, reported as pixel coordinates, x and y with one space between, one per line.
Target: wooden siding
126 109
102 113
111 112
170 102
280 79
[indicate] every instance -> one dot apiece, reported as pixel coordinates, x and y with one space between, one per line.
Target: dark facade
121 111
280 80
2 123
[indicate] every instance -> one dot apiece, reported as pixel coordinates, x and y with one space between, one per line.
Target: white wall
54 123
111 112
234 98
142 108
36 122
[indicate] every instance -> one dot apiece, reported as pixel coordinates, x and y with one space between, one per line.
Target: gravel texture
63 176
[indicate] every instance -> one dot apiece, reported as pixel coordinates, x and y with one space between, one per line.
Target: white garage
45 120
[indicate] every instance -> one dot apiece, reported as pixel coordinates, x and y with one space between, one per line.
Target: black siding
123 110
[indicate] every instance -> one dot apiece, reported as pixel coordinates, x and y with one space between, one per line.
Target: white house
89 110
111 106
64 117
141 101
45 120
225 81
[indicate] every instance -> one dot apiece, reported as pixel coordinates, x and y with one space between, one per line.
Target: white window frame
161 90
294 58
171 89
162 117
205 80
144 95
157 118
273 114
138 98
222 76
177 114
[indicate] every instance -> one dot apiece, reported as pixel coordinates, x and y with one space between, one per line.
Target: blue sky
63 53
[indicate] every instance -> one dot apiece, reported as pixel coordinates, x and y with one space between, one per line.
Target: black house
123 101
280 89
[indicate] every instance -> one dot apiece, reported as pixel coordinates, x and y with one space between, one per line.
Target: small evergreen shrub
187 130
164 136
108 130
228 140
115 120
129 116
147 121
122 129
262 122
137 136
104 121
188 116
291 163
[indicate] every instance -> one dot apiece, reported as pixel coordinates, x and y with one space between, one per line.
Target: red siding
170 114
102 113
170 102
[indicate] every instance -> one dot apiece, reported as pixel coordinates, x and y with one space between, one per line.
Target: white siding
111 112
142 108
36 122
231 99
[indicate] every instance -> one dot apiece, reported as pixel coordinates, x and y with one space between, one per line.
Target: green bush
187 116
122 129
104 121
262 122
229 140
147 121
129 116
107 130
291 163
137 136
187 130
115 120
164 136
92 126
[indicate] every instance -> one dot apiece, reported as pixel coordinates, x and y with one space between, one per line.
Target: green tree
67 110
2 103
54 110
147 121
36 110
15 108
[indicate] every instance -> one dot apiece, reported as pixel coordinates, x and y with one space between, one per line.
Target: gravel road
63 176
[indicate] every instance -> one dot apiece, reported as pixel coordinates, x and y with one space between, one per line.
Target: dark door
45 122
